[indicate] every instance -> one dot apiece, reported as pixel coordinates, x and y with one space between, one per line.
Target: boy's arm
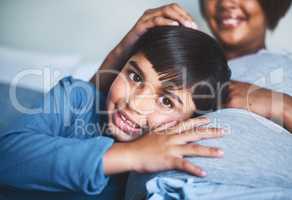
36 161
37 153
171 15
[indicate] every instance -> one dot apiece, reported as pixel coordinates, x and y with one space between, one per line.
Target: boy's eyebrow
173 96
135 65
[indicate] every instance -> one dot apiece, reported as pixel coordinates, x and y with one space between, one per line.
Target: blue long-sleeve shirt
60 148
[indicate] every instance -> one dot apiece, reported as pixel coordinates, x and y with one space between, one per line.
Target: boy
172 73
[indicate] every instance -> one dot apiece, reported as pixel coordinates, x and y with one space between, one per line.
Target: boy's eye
135 77
166 102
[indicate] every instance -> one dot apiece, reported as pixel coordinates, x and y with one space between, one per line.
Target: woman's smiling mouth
227 21
124 123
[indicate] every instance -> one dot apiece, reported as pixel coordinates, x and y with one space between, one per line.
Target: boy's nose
143 102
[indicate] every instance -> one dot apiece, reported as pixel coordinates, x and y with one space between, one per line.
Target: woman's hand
172 15
168 15
165 150
267 103
250 97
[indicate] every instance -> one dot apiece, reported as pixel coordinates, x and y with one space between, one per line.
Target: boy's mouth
124 123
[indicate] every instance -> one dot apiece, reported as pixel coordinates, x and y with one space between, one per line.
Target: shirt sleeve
38 152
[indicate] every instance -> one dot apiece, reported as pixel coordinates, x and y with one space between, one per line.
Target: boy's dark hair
274 10
184 57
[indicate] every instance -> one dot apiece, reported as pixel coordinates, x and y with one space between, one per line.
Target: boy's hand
164 150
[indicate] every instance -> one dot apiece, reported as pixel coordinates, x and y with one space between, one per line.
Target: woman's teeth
231 22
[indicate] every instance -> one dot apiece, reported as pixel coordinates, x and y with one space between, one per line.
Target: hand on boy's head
168 15
172 14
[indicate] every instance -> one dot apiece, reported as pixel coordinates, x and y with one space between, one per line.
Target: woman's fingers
142 26
185 14
184 165
173 12
160 21
199 150
169 15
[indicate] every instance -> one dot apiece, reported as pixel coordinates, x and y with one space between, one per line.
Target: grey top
267 69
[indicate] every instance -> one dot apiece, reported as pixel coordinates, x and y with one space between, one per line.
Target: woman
240 26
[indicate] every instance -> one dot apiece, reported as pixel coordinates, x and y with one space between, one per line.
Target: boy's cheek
159 118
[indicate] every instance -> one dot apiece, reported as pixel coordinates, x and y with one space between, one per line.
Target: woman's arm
267 103
171 15
288 112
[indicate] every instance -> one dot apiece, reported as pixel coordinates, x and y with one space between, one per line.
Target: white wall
89 28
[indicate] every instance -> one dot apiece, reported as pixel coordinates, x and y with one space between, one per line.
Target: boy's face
137 101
